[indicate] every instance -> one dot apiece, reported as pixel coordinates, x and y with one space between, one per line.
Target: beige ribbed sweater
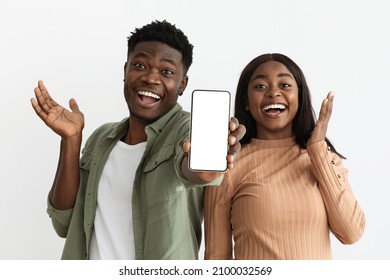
281 202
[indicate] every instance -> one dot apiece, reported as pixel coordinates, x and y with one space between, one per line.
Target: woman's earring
180 93
246 108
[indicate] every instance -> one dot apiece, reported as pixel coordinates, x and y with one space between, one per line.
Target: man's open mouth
148 97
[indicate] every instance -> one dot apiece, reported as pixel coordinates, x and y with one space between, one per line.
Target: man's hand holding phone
214 137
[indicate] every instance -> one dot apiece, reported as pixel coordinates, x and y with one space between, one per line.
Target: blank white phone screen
210 114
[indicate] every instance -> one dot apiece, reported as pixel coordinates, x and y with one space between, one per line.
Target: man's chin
146 119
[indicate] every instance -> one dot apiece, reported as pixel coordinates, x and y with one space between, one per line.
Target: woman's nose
273 92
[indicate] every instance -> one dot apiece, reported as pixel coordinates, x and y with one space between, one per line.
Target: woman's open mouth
274 109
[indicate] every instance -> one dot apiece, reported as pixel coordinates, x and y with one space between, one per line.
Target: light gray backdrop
78 48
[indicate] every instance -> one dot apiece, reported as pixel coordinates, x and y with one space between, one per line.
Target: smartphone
210 115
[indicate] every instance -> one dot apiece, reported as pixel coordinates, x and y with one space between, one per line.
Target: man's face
154 78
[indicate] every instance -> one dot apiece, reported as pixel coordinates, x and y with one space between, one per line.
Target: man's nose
152 76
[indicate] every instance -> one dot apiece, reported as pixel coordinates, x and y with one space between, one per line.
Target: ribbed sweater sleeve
346 218
218 236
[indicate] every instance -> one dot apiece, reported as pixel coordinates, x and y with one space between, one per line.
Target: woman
289 188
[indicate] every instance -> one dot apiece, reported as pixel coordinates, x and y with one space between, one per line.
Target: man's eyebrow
164 59
169 60
141 54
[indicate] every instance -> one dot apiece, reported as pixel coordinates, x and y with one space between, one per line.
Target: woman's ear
247 104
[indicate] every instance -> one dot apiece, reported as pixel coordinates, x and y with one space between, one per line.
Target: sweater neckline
274 143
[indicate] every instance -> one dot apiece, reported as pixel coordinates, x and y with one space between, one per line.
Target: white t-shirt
112 237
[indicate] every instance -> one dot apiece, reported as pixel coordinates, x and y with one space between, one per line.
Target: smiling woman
289 188
272 100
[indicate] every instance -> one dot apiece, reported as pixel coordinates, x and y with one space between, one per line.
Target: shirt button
333 162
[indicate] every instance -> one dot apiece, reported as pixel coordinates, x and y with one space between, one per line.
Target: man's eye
139 65
167 72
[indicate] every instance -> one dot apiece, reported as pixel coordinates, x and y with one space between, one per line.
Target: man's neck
136 132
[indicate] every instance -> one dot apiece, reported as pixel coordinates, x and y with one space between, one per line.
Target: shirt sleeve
217 226
179 156
346 218
59 218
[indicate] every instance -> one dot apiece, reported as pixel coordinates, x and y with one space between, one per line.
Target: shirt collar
157 126
120 130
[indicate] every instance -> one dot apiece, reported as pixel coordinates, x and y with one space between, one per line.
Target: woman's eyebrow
280 75
285 75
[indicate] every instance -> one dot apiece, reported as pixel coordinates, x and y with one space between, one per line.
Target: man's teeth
274 106
149 94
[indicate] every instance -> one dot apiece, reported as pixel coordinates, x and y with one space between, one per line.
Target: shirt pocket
86 161
160 182
163 155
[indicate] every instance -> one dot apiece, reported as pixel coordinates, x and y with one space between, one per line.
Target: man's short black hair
164 32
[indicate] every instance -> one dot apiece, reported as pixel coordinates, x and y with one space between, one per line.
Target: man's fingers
74 106
38 110
42 87
235 149
233 124
41 101
45 99
232 154
186 145
237 134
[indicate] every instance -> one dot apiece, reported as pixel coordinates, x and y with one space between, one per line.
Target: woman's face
273 100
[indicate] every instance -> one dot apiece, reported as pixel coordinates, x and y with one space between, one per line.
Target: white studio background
78 48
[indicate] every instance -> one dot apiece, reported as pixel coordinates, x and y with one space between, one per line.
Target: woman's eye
285 85
259 86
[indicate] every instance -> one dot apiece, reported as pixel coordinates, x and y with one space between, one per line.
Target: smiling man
132 195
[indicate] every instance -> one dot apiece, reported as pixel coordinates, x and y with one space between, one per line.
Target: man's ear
124 71
183 85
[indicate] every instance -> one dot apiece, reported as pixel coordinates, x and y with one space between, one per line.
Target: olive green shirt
167 209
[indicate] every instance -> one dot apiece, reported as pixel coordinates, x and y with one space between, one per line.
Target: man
132 195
